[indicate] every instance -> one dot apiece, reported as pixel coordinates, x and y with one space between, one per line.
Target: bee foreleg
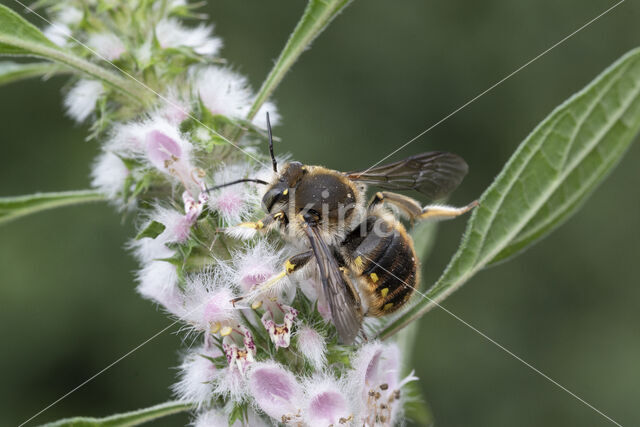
291 265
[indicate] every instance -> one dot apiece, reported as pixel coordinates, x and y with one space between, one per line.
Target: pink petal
327 408
161 149
275 390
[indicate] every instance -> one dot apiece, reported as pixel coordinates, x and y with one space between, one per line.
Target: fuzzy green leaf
127 419
547 179
153 230
19 37
12 71
18 206
317 15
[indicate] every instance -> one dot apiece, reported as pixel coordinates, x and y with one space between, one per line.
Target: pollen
374 277
227 331
259 225
215 327
387 306
384 292
289 266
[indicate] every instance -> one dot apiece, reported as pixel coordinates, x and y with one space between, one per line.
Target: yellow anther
215 327
374 277
384 292
387 306
256 305
289 266
226 331
285 192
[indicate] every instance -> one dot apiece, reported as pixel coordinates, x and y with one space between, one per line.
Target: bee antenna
273 157
237 181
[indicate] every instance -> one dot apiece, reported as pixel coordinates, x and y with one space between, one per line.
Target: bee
365 258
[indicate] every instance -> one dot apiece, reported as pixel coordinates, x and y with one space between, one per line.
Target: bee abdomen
387 268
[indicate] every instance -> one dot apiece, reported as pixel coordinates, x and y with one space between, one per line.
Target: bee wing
434 174
343 299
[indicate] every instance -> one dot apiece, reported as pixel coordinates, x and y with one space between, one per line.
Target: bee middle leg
246 230
291 265
414 211
264 222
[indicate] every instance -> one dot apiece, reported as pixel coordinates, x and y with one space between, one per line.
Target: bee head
279 192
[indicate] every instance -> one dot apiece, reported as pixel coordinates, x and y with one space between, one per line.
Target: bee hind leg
414 211
440 212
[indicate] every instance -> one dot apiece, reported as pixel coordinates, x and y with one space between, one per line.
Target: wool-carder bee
365 257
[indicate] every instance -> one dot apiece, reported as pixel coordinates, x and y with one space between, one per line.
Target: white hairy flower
312 345
171 34
197 373
59 30
237 202
159 283
107 45
58 33
256 262
227 93
109 174
207 304
81 100
159 143
375 383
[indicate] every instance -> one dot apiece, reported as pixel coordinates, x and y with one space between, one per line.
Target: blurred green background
381 74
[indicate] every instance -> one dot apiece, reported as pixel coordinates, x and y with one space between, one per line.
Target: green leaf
132 418
19 37
547 179
153 230
17 206
317 15
238 413
12 71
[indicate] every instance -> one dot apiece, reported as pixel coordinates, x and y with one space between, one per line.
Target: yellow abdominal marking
289 266
387 306
374 277
285 192
358 262
384 292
